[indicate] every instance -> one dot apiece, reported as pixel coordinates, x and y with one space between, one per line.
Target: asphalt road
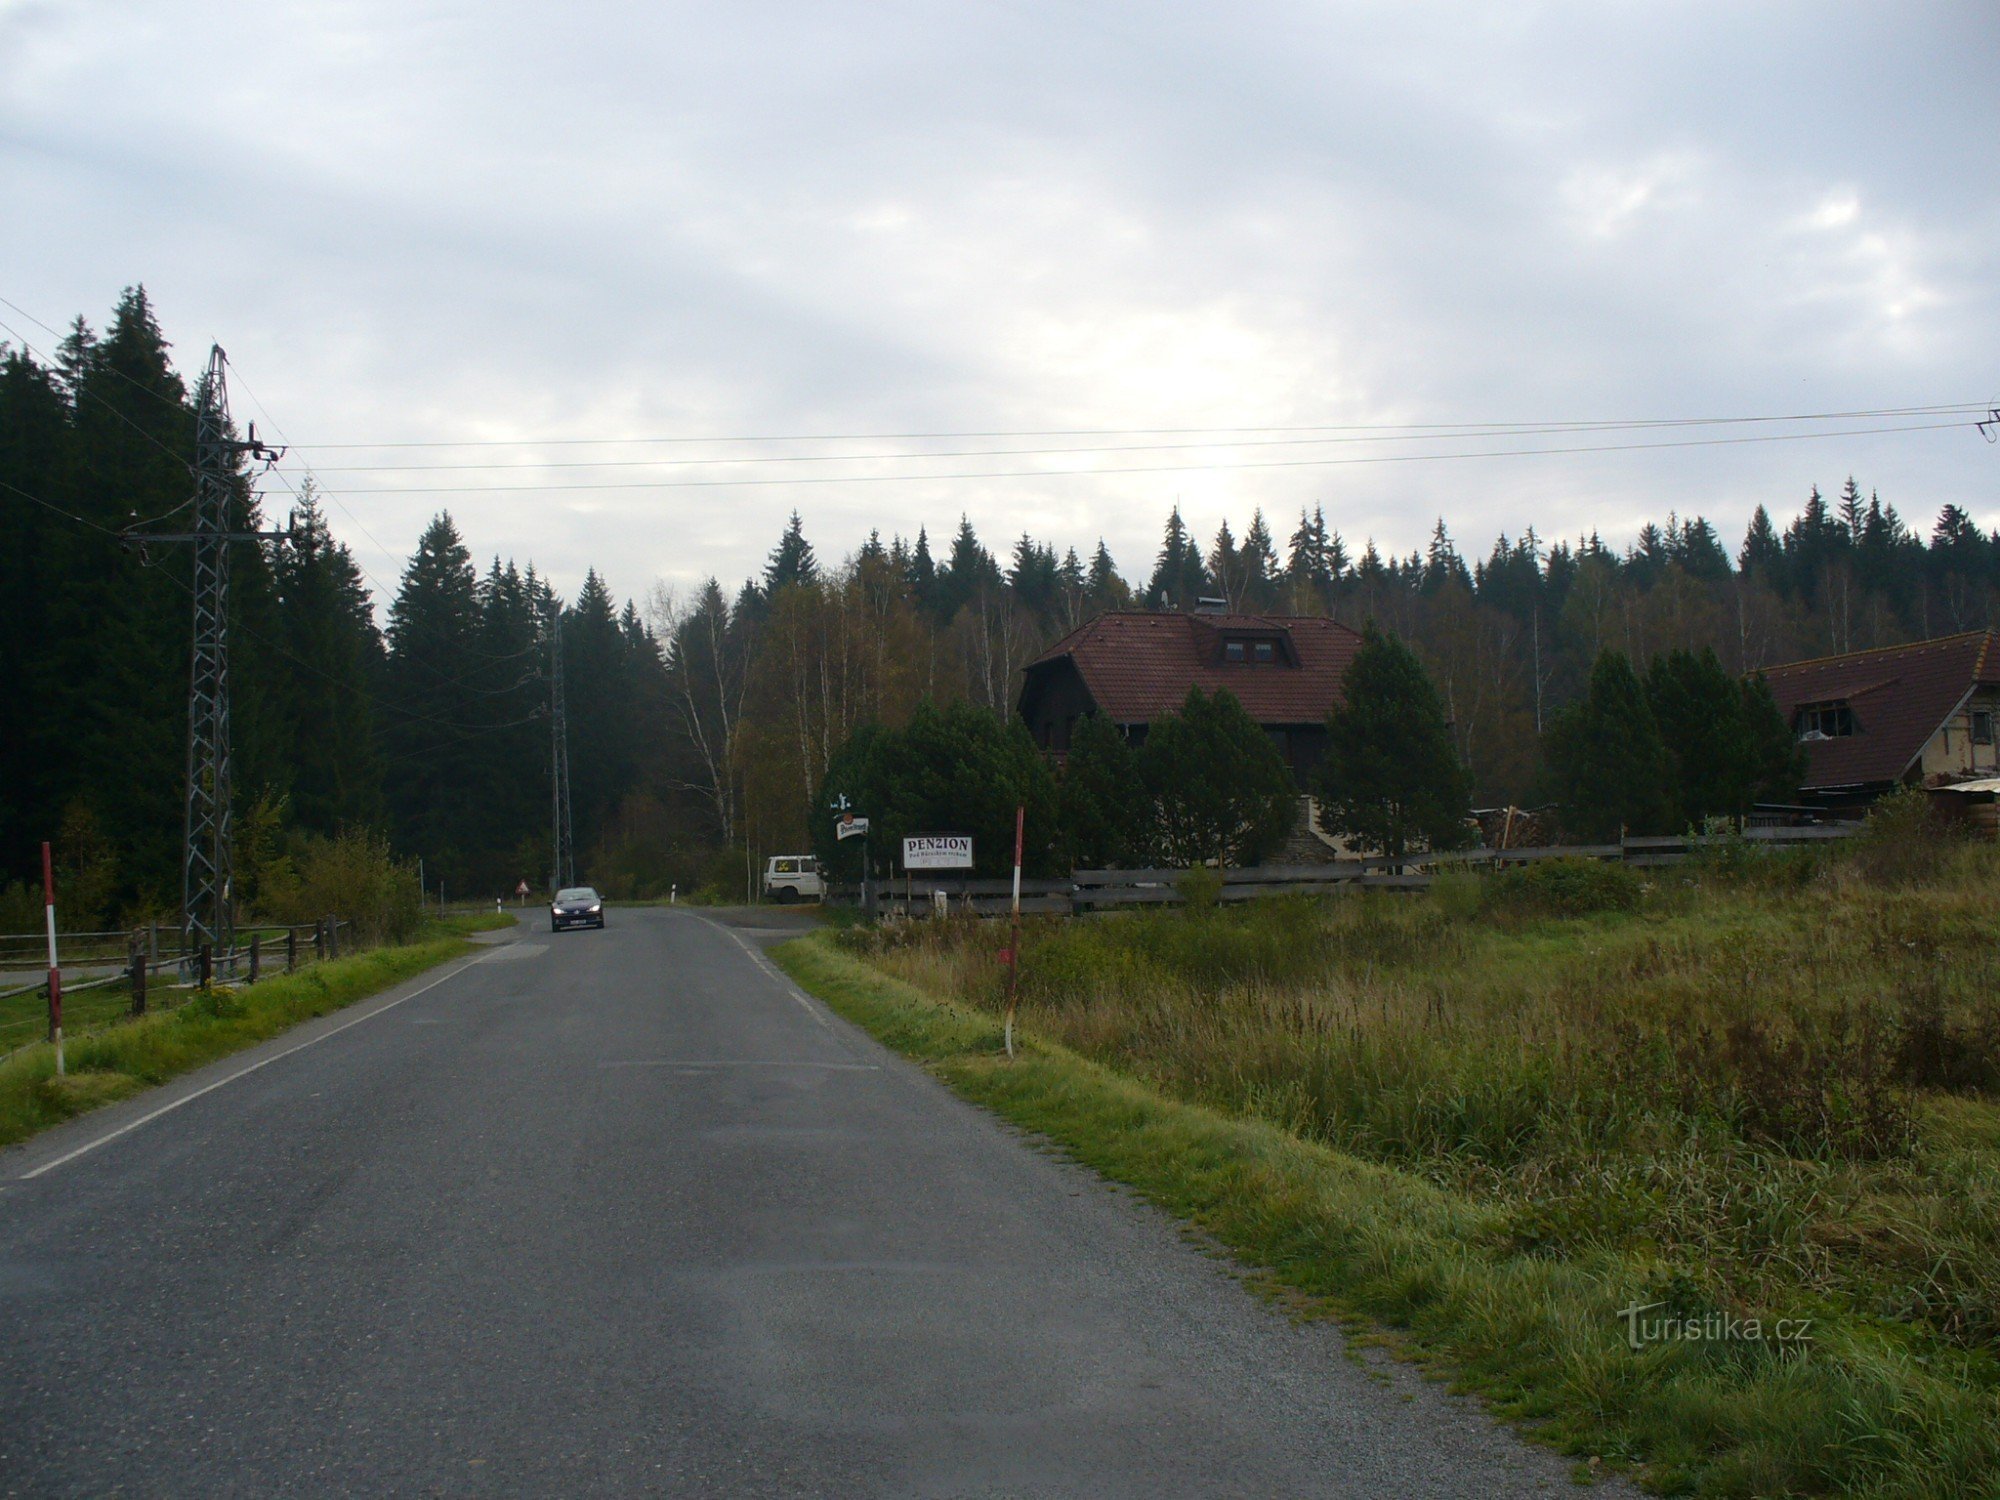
625 1213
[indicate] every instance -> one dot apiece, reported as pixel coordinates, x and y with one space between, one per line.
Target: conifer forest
702 722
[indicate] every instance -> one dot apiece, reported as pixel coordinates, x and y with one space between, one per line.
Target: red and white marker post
55 969
1014 948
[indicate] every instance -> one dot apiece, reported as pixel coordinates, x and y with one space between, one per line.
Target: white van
793 877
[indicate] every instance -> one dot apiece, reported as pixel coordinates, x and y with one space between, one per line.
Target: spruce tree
1391 776
1699 710
333 652
1762 552
1178 576
38 462
121 619
1774 763
512 684
969 572
1260 566
1851 509
1101 804
431 715
1700 553
597 682
1305 561
1314 563
1218 788
1442 564
1104 589
1606 762
1072 588
1032 578
792 561
922 575
1225 567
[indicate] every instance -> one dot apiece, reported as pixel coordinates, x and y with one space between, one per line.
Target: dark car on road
578 906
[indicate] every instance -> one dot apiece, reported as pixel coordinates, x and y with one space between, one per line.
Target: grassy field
119 1057
1744 1115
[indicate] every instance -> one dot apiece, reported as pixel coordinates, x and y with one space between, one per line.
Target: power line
1046 474
68 515
719 460
81 391
299 661
321 488
136 385
1487 428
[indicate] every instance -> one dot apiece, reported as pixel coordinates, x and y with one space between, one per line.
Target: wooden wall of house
1051 703
1953 754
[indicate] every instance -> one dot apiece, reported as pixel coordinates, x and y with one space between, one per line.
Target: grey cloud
496 220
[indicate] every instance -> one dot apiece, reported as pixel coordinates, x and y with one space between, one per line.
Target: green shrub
1905 841
1459 895
1200 888
21 907
1563 888
352 875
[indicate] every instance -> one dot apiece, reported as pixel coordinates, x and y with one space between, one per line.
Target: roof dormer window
1263 649
1824 721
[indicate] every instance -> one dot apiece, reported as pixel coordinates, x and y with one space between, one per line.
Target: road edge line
806 1001
263 1062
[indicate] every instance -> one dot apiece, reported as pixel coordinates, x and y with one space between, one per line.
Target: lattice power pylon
208 913
565 860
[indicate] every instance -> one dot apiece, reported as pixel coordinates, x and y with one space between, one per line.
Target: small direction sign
938 851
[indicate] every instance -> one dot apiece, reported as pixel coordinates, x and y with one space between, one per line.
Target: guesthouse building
1135 666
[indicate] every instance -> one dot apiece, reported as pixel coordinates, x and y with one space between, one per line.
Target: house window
1245 649
1824 721
1982 726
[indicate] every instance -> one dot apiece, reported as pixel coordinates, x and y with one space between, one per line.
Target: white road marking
166 1109
784 979
675 1062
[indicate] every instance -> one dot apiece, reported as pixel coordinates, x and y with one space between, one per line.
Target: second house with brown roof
1920 715
1133 667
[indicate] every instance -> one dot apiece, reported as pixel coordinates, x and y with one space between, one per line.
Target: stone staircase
1309 844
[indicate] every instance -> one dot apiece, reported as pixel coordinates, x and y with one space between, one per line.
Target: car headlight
596 910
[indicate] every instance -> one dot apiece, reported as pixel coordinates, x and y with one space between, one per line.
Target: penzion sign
938 851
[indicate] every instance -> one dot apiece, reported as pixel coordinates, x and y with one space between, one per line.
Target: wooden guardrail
1100 890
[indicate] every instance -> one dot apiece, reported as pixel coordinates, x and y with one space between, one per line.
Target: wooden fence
149 974
1104 890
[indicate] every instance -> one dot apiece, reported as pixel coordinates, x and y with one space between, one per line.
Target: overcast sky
420 222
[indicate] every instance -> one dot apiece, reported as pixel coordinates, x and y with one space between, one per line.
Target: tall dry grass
1770 1079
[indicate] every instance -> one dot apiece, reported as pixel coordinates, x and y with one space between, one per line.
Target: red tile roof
1140 665
1899 696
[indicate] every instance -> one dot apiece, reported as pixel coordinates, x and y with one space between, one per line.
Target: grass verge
1860 1409
116 1061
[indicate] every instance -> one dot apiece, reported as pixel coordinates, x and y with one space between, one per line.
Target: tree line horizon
703 724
